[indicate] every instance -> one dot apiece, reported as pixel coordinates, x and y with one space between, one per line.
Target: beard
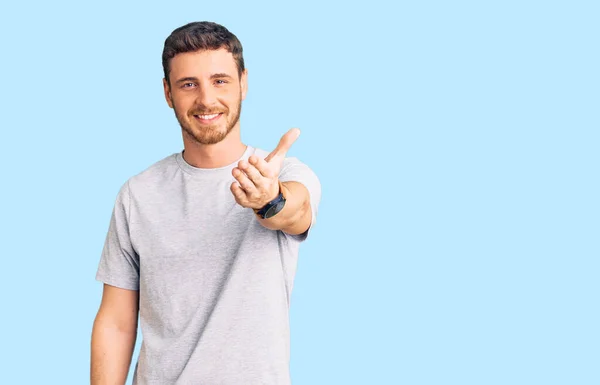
209 134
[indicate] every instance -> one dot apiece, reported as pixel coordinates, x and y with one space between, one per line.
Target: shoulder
153 176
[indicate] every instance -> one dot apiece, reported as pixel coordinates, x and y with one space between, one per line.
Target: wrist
275 205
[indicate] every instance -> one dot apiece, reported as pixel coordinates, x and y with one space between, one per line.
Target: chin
212 140
207 135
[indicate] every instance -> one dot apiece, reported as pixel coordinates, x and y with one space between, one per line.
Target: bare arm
295 218
257 183
113 336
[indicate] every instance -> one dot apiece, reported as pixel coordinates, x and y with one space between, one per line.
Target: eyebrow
213 76
187 79
220 75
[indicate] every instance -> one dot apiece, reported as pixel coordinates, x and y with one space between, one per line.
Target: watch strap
278 199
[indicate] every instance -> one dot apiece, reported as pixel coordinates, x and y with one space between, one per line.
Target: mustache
205 111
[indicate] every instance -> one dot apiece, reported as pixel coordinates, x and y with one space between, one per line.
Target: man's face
206 93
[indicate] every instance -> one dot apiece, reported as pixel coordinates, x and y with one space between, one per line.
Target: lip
208 121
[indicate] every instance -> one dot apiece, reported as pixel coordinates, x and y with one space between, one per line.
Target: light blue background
457 146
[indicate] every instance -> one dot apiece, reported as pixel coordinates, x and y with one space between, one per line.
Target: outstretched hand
257 180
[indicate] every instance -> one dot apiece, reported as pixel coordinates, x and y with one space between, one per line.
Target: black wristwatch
273 207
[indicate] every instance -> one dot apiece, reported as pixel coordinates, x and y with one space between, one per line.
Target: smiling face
206 92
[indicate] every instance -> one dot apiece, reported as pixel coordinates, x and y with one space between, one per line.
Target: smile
208 118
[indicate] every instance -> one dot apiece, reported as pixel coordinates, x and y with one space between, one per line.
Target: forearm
296 215
112 350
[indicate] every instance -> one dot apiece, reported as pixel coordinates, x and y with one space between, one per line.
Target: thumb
284 145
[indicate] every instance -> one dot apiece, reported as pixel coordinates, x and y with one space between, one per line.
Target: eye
221 81
188 85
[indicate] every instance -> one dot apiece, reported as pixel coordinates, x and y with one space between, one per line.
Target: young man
203 244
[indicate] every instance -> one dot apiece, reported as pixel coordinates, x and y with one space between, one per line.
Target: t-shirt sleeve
119 263
296 171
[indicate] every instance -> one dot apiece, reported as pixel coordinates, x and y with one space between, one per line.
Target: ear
167 93
244 83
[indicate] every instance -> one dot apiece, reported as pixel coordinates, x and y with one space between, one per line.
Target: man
203 244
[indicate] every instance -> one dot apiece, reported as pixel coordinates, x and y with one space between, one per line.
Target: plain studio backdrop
457 147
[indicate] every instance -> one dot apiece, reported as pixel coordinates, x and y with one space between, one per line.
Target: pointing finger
284 145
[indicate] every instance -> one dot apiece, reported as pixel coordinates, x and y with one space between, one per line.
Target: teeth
207 116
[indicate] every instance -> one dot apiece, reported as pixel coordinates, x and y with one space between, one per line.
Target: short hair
199 36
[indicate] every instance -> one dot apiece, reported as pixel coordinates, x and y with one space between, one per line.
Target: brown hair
198 36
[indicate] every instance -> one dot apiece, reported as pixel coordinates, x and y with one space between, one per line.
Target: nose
206 96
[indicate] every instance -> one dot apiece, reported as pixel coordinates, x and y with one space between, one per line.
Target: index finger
285 143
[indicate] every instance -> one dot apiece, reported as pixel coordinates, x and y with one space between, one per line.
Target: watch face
275 209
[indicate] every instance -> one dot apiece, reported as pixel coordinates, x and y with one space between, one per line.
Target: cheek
180 103
233 98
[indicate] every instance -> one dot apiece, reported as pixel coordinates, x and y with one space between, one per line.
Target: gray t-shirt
214 284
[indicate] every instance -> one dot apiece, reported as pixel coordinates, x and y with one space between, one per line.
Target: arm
257 183
296 216
113 336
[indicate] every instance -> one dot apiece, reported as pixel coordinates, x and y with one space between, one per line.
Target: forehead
203 63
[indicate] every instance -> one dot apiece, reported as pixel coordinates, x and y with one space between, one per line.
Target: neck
215 155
